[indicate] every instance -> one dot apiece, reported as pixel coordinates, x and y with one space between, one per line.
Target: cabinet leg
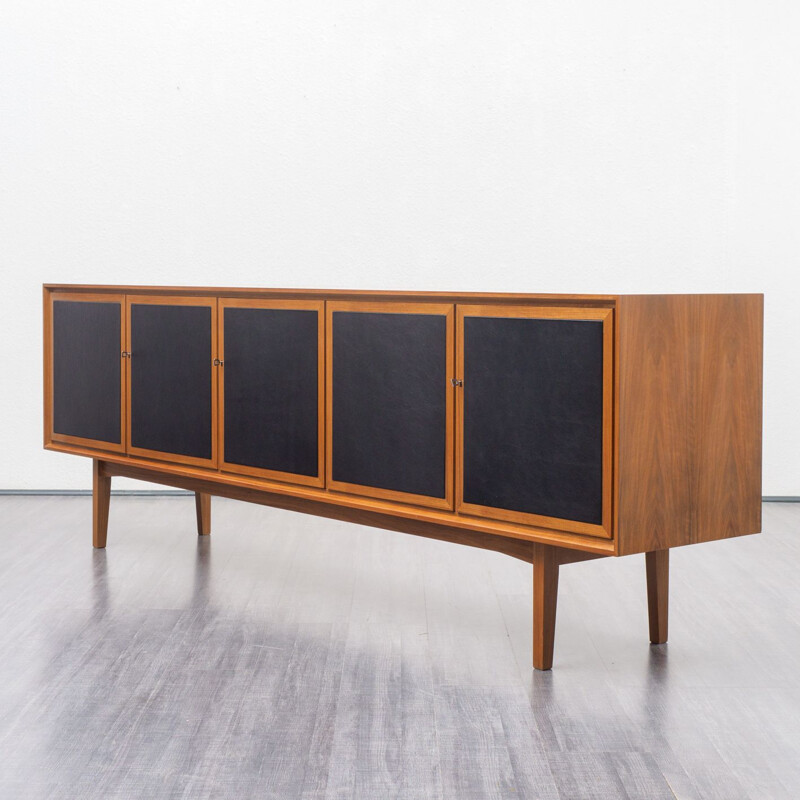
657 565
545 594
101 498
202 503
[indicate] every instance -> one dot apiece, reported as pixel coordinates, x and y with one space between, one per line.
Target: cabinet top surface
344 294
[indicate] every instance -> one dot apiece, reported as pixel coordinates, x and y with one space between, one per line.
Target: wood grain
690 375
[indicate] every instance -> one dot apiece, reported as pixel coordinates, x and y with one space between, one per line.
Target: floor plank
289 657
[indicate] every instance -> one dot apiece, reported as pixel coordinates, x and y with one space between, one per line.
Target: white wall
514 146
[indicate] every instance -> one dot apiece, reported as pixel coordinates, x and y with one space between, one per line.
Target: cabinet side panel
689 419
729 416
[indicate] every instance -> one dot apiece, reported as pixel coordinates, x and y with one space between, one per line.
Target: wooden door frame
606 317
173 300
446 310
50 434
291 305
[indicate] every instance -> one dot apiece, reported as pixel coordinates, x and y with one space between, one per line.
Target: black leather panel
87 367
389 400
271 392
533 416
171 379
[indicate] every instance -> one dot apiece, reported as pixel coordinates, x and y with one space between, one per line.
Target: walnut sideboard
552 428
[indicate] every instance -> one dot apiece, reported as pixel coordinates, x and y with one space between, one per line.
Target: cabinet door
534 416
172 394
271 389
390 401
84 376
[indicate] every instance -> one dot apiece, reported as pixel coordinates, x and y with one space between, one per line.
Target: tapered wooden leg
101 498
202 503
657 564
545 594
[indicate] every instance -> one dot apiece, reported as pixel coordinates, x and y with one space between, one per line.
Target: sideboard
551 428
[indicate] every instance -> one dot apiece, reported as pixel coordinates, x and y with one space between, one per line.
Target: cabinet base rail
546 559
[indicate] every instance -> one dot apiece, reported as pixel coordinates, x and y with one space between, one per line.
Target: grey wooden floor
292 657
